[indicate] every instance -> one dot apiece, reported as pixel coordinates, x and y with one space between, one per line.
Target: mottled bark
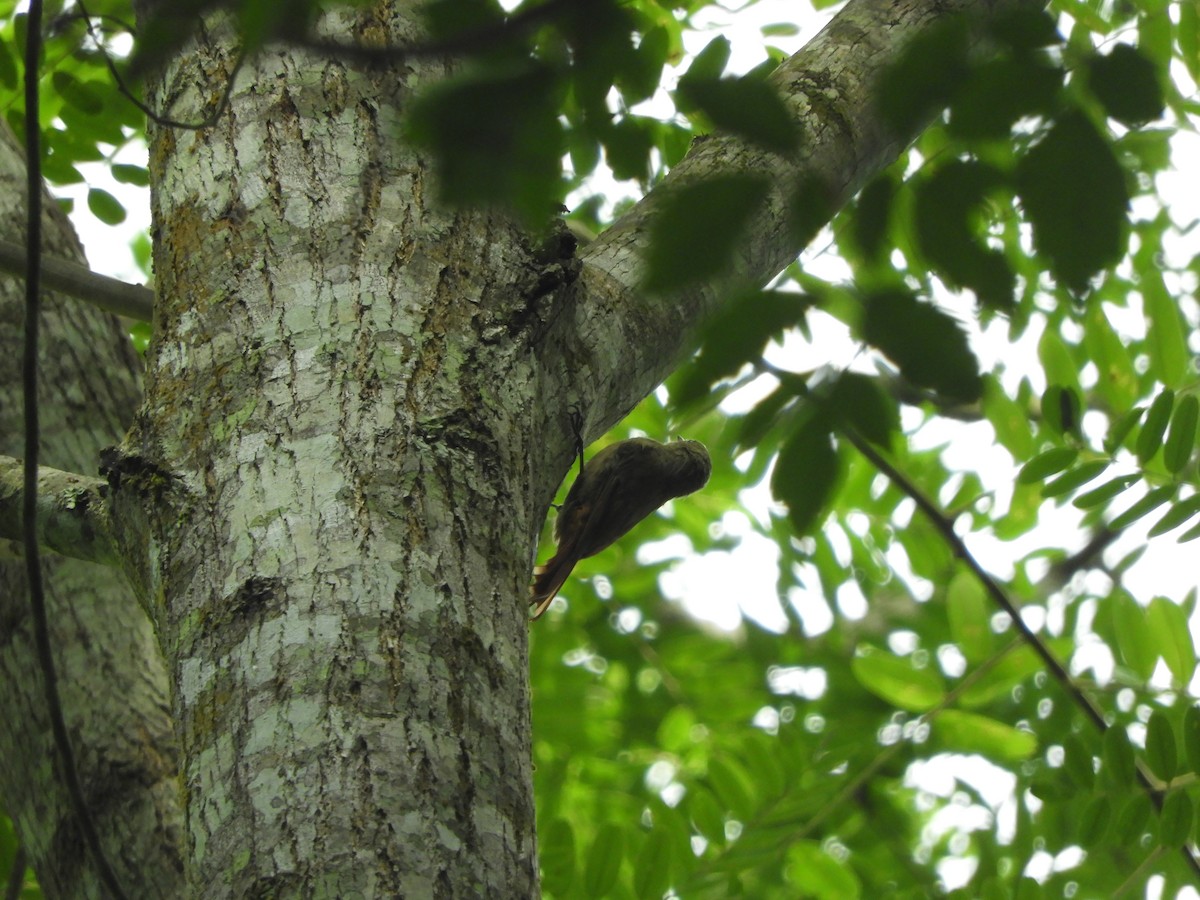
110 673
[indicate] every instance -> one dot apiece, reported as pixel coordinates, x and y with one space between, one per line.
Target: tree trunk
355 419
110 673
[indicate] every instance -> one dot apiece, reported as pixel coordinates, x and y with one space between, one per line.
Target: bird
620 486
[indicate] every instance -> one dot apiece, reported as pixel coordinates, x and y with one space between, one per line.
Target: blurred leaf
710 62
105 206
859 401
896 681
1117 756
999 92
652 868
732 786
948 205
872 211
748 107
1073 192
1047 463
1126 83
806 474
1165 332
1182 439
1155 425
969 615
1133 637
699 225
736 335
1152 501
1169 631
1075 478
964 732
604 860
1160 746
928 345
926 76
497 139
1008 418
1191 737
814 873
1179 513
556 855
1175 822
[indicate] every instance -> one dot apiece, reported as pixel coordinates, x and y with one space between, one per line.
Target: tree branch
72 512
80 282
945 527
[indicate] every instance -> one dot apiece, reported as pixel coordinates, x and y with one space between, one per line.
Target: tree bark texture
110 673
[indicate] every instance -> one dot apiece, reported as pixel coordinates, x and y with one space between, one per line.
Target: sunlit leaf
1169 631
897 680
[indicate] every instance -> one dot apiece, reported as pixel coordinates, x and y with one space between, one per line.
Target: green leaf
1073 191
947 213
1191 737
1165 331
964 732
1060 409
496 136
896 680
1175 822
1001 91
1121 428
814 873
748 107
806 474
127 174
707 814
604 860
928 345
732 786
1008 419
872 212
1169 631
710 62
693 237
105 206
640 76
1093 825
1105 492
1133 636
1178 514
1076 477
652 868
926 76
556 846
1126 82
968 613
1182 439
1047 463
1117 381
1134 818
736 335
1155 426
860 402
1117 755
1152 501
1160 746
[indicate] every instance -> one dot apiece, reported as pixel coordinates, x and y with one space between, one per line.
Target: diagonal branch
72 512
80 282
945 527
